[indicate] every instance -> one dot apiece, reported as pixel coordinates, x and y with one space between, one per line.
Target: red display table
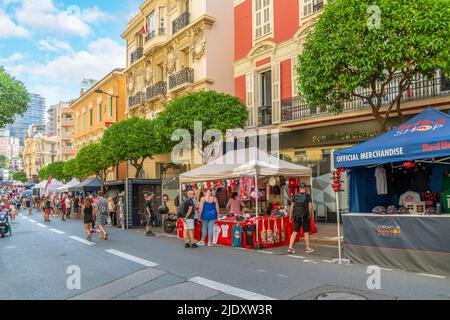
225 238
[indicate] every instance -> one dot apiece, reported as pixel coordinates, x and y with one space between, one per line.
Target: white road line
244 294
266 252
41 225
132 258
32 220
297 257
431 275
386 269
56 231
82 240
328 261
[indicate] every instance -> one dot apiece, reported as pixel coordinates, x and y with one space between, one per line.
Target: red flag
49 181
145 27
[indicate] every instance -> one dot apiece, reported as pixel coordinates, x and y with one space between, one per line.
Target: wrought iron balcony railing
137 54
264 116
422 88
183 76
180 22
159 88
317 5
136 99
150 35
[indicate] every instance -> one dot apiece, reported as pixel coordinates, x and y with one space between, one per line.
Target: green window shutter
90 117
99 112
84 120
110 106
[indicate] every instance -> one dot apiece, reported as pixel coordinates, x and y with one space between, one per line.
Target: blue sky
52 45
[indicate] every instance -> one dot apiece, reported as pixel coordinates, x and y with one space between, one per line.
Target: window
109 106
265 88
84 120
307 7
90 117
161 74
262 17
151 22
185 62
139 40
162 24
100 112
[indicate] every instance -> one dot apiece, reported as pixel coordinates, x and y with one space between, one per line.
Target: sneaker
210 244
187 245
194 245
311 250
106 237
291 251
100 236
200 243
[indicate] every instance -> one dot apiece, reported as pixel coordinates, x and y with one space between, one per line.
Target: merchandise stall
263 183
399 189
92 185
65 188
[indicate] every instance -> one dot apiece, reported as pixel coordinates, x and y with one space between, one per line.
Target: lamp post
100 91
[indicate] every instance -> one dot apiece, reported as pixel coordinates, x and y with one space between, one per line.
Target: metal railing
182 21
159 88
317 5
185 75
264 116
137 54
136 99
421 88
150 35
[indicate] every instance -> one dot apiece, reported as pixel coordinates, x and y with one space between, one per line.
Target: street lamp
100 91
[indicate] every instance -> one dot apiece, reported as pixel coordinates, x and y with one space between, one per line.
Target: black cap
303 185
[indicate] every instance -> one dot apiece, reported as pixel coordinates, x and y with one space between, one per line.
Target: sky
52 45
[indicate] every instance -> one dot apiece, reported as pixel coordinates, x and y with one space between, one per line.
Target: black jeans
112 214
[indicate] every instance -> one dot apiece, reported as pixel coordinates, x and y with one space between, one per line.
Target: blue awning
425 136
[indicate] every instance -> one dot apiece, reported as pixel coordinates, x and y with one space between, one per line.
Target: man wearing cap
149 212
301 214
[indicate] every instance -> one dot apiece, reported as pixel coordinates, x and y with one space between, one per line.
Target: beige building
188 46
9 146
38 151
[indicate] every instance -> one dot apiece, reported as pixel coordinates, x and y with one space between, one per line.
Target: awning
65 188
91 184
425 136
245 162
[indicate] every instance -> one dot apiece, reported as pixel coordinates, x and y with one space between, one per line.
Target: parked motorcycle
170 220
5 226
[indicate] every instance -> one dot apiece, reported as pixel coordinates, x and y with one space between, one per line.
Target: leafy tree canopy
356 46
20 176
14 98
92 160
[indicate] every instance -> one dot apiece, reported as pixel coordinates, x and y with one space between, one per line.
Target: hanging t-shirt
430 198
380 175
420 179
402 181
236 233
249 231
446 181
225 228
216 233
445 201
409 197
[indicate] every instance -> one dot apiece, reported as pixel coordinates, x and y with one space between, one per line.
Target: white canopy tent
41 185
65 188
51 188
252 161
18 184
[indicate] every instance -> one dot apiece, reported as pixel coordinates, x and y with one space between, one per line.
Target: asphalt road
34 265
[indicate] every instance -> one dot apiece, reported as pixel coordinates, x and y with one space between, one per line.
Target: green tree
214 110
72 169
20 176
86 84
43 173
14 98
352 47
133 140
3 161
93 160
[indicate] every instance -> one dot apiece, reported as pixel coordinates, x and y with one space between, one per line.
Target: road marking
32 220
57 231
266 252
169 235
41 225
244 294
432 275
328 261
297 257
386 269
132 258
82 240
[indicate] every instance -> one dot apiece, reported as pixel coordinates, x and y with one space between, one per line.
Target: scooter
5 226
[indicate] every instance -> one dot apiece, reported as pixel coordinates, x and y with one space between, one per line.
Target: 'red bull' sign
442 145
420 126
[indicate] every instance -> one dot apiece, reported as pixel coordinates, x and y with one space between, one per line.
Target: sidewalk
327 234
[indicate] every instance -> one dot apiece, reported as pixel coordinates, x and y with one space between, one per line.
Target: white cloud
54 45
95 15
8 28
15 57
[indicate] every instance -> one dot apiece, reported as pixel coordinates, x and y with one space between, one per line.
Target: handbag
269 233
263 233
283 234
276 235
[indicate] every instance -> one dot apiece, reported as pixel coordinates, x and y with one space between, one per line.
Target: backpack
301 201
182 210
103 208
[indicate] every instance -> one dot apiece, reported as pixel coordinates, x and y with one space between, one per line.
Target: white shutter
250 99
294 77
276 93
307 7
258 18
266 23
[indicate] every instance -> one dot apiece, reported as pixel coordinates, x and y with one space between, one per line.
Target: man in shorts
101 213
149 214
301 213
188 216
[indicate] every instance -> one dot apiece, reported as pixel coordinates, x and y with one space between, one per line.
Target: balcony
137 54
158 89
180 22
136 99
264 116
150 36
183 76
295 108
317 5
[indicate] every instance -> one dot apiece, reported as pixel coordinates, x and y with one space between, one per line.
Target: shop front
399 196
263 183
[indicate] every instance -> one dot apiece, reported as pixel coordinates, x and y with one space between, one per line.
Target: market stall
263 182
65 188
88 185
399 189
46 187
